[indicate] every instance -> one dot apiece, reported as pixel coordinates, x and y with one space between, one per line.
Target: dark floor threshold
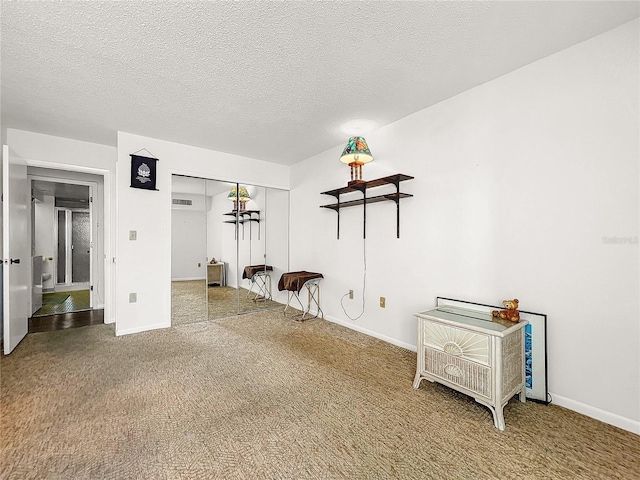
62 321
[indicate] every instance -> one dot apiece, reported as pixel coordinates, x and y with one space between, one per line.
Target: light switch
133 235
133 297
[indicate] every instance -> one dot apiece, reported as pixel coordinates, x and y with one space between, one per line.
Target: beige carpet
192 302
259 396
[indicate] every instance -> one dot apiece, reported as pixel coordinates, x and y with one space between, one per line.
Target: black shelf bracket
240 218
364 201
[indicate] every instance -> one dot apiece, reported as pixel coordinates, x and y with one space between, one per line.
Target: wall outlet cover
133 297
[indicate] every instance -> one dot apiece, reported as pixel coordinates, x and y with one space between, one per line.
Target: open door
17 257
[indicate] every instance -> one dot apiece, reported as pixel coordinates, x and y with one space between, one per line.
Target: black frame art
143 172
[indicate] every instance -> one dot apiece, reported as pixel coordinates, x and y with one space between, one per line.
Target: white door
16 249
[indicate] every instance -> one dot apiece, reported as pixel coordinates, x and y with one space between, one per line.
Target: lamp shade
242 195
356 151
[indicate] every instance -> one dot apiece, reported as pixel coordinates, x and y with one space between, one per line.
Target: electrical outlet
351 294
383 302
133 235
133 297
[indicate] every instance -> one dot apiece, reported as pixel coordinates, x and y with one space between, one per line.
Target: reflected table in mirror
258 276
215 274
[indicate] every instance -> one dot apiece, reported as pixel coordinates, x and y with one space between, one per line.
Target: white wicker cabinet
469 352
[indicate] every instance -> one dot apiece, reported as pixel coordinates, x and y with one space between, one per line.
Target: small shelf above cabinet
363 188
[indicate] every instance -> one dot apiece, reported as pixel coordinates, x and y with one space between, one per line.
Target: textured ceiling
267 80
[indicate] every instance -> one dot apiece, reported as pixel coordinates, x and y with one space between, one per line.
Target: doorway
62 246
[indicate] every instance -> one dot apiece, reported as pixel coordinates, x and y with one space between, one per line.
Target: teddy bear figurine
511 312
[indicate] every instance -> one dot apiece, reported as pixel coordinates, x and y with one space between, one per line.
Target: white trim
109 229
93 228
371 333
128 331
222 178
185 279
628 424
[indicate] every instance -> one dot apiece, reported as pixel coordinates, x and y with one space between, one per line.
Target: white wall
518 184
189 238
44 241
57 157
188 245
144 265
221 243
44 226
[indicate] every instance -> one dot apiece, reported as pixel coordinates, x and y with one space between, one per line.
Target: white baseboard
129 331
384 338
186 279
628 424
624 423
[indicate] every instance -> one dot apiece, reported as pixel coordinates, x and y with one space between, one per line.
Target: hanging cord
364 283
152 155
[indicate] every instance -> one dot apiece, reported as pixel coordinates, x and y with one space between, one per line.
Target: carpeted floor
259 396
192 302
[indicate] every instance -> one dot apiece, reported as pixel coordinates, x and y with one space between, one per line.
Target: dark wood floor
66 320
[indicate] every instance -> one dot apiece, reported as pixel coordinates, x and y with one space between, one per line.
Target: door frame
108 211
93 188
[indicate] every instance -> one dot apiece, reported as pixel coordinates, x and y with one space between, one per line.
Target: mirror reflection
222 250
188 250
229 248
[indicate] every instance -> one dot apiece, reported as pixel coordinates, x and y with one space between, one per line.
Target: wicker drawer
466 374
458 342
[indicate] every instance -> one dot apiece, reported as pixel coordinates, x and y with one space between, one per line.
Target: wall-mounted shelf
363 187
244 216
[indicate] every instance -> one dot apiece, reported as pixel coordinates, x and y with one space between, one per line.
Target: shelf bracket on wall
394 197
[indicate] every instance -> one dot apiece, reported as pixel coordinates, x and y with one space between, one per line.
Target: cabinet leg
523 394
416 381
498 417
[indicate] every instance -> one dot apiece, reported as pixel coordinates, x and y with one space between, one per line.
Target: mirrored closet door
188 250
243 228
222 250
229 247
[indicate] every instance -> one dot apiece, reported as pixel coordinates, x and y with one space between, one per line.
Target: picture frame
535 346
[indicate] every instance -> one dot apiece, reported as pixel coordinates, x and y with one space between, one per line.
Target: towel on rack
251 270
294 281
